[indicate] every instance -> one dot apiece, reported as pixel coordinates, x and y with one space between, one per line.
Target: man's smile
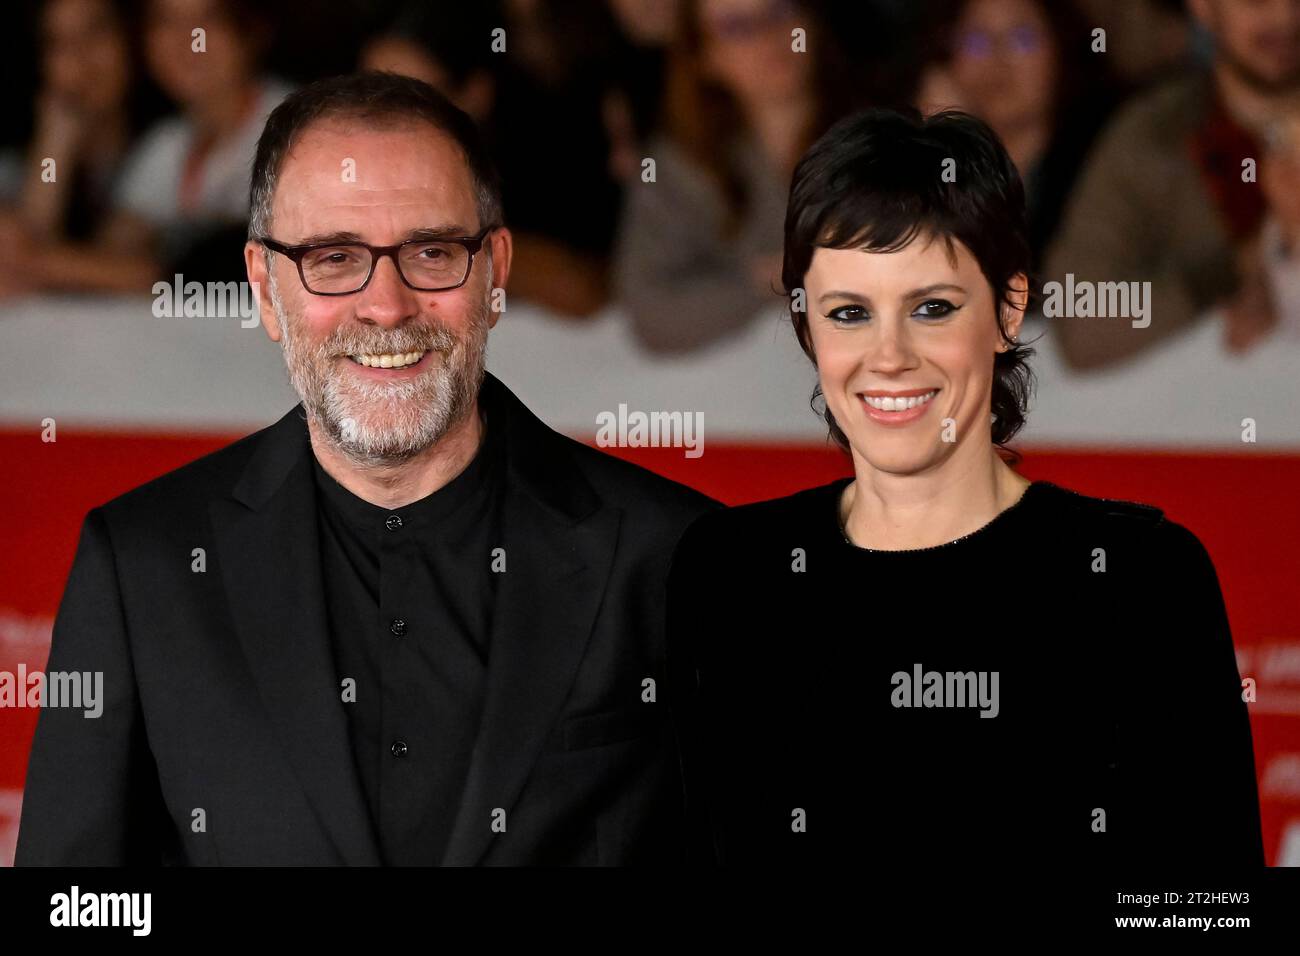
388 366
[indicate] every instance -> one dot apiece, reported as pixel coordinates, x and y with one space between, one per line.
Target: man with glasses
426 629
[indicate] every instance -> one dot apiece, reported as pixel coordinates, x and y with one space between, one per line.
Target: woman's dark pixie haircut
378 99
875 181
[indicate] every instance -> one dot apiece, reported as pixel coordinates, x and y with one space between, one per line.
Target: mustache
407 340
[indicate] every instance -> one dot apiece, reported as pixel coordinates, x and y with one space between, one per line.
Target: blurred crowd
1159 140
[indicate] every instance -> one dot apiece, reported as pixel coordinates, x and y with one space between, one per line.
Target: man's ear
501 244
255 266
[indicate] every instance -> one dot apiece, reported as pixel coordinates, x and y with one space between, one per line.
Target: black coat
223 739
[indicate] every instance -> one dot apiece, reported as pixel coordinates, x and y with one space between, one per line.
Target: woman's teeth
887 404
388 361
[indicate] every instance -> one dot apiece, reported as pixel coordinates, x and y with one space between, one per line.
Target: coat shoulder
189 485
635 487
761 522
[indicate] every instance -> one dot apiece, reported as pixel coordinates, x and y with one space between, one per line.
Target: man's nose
386 299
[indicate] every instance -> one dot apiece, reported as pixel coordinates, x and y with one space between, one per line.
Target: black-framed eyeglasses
342 268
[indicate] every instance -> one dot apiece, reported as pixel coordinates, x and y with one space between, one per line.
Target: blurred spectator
881 48
1025 67
1279 240
93 102
700 247
181 200
1167 197
937 90
446 46
557 83
1146 40
647 27
546 92
187 187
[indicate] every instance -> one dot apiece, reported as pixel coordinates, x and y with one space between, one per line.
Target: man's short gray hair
383 100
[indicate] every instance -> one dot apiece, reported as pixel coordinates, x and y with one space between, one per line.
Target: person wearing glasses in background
936 662
420 634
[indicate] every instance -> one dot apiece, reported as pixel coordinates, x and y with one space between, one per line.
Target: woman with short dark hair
937 661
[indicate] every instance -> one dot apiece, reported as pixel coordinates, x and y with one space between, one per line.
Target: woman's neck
887 512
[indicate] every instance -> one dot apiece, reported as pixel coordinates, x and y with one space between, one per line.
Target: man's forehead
341 176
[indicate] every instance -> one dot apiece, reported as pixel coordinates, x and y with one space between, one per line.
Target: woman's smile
897 408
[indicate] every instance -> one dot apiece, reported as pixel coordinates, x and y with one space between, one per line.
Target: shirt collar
434 511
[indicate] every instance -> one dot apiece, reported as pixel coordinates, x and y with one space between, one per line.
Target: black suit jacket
223 739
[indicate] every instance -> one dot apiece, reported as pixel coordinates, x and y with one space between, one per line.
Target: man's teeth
389 361
887 404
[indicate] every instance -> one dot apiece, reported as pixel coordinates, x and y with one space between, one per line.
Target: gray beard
385 423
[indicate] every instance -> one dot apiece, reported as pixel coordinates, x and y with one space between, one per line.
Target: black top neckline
1028 501
437 508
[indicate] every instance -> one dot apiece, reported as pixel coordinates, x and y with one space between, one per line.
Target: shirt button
393 523
398 627
398 748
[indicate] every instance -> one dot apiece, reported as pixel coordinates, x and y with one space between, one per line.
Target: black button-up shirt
409 593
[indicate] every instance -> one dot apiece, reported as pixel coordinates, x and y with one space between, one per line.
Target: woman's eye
935 309
847 314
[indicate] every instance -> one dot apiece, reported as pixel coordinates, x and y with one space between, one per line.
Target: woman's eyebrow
937 287
913 294
840 294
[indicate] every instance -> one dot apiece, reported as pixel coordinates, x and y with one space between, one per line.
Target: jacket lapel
559 542
270 562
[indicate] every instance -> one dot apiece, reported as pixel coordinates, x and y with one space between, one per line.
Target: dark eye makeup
856 314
